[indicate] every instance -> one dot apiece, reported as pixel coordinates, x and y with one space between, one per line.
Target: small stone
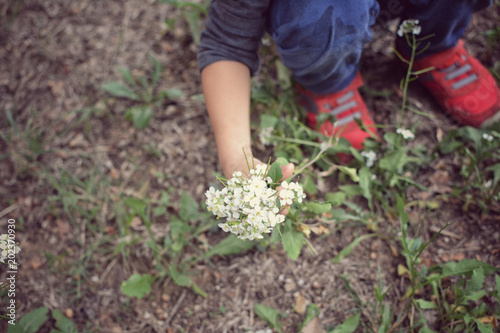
290 285
69 313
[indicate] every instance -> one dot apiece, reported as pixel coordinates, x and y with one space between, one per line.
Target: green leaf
292 243
198 290
336 198
137 285
157 69
127 75
173 93
340 215
425 305
317 207
267 120
483 328
281 161
476 281
269 315
466 267
308 185
138 206
139 115
475 295
30 322
119 89
63 324
179 278
229 245
348 249
178 231
351 190
348 326
188 208
394 161
364 183
351 172
496 173
284 77
275 172
193 19
497 283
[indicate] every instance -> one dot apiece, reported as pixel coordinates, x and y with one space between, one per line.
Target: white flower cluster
371 157
265 136
251 207
5 246
409 26
406 133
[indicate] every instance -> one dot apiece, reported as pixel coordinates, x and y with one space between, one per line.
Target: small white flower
406 133
409 26
265 136
488 183
370 156
488 137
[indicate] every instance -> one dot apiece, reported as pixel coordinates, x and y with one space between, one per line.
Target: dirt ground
55 55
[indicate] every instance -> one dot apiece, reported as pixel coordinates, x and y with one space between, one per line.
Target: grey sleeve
233 32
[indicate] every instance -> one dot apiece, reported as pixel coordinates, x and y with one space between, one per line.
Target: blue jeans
321 41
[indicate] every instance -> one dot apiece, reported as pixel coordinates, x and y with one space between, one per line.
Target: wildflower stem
408 77
317 157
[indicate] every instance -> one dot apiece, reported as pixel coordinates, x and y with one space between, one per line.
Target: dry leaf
304 229
136 222
114 173
300 304
35 264
439 134
313 326
440 178
62 227
319 230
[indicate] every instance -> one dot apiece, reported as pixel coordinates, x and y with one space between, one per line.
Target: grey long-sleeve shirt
233 31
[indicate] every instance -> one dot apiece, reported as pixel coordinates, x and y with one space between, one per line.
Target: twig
175 308
445 232
8 210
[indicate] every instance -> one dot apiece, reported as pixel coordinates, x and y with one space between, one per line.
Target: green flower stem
317 157
299 141
408 77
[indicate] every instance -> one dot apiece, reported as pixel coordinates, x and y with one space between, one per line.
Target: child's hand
287 171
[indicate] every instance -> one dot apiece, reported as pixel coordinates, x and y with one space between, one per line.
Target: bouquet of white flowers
251 205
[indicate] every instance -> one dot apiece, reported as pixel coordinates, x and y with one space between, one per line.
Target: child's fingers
287 170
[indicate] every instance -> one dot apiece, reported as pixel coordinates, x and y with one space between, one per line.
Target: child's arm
226 85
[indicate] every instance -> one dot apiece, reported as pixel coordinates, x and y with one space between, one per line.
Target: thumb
287 170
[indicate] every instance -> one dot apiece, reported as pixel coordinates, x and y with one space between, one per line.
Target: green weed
142 92
192 12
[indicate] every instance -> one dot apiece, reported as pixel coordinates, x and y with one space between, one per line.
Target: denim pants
321 41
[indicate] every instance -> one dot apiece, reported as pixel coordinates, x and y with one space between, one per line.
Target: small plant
173 255
192 12
141 91
32 321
